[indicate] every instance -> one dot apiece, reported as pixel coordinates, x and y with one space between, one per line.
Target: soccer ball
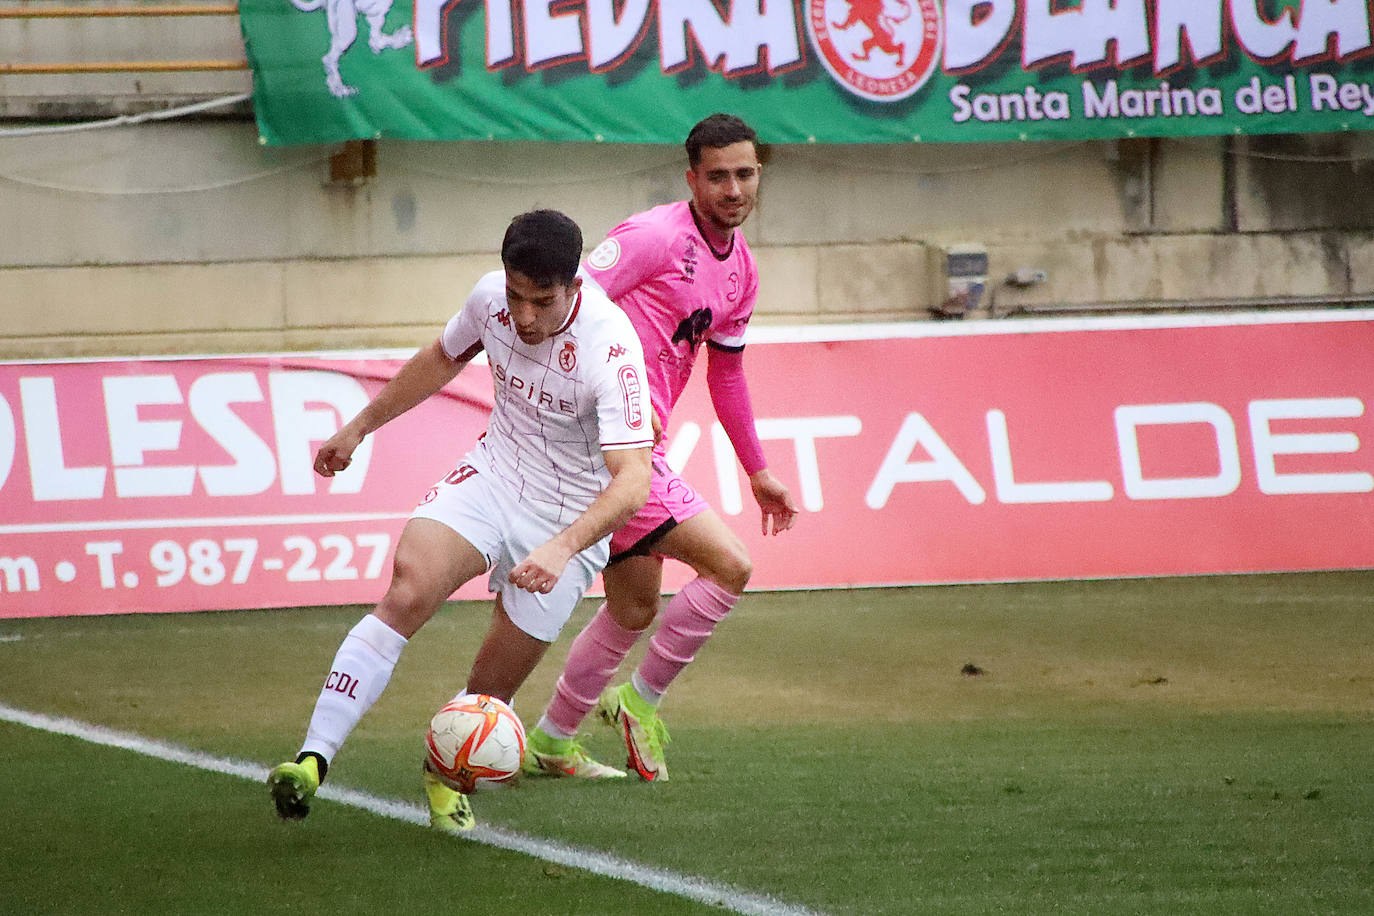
475 740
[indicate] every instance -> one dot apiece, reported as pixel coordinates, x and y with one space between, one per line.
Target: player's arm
633 253
425 373
623 497
730 398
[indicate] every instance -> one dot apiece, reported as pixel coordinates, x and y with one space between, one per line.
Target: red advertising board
174 485
923 453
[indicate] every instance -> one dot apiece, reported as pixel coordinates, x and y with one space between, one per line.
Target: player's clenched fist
336 454
532 579
539 571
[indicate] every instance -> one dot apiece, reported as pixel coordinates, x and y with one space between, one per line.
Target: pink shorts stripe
671 501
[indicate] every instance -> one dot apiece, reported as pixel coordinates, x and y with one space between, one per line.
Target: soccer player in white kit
684 274
564 462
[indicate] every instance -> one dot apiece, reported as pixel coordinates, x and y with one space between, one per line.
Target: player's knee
732 569
408 603
634 613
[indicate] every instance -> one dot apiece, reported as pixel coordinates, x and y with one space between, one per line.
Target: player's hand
539 572
775 502
336 454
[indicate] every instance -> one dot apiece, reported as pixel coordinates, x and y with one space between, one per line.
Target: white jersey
558 403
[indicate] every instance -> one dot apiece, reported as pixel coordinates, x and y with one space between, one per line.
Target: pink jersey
678 292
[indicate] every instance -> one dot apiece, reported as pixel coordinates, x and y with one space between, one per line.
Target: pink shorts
671 501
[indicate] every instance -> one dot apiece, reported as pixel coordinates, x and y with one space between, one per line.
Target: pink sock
684 626
595 655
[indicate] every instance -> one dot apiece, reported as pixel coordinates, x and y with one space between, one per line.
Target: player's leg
598 650
504 660
721 561
432 560
506 657
722 564
523 625
592 661
633 578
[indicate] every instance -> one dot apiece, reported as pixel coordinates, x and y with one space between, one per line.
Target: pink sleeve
631 254
730 397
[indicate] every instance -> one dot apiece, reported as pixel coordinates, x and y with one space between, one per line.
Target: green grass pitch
1143 746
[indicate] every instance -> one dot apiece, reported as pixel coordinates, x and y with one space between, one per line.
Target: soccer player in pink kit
685 276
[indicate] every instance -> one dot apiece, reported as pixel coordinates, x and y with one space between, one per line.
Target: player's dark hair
716 132
544 245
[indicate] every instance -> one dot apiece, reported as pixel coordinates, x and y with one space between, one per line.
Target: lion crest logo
881 50
567 357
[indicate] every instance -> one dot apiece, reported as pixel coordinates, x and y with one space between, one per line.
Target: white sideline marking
598 863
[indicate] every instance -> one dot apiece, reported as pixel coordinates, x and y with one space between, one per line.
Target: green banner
830 71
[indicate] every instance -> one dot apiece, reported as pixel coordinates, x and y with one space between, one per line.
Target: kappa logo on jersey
614 351
881 50
604 256
630 388
503 316
567 357
692 330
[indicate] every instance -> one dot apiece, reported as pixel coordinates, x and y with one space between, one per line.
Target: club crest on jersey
689 261
604 256
881 50
630 388
567 357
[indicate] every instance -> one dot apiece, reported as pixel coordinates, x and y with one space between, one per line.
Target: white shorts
482 510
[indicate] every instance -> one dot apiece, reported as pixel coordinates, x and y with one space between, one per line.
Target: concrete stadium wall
190 237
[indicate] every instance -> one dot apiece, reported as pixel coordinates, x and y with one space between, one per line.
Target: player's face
725 185
538 311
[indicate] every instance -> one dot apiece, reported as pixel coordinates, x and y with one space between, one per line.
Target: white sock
553 731
650 695
357 678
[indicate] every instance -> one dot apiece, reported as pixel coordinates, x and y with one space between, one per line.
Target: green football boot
449 810
546 755
641 728
293 784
